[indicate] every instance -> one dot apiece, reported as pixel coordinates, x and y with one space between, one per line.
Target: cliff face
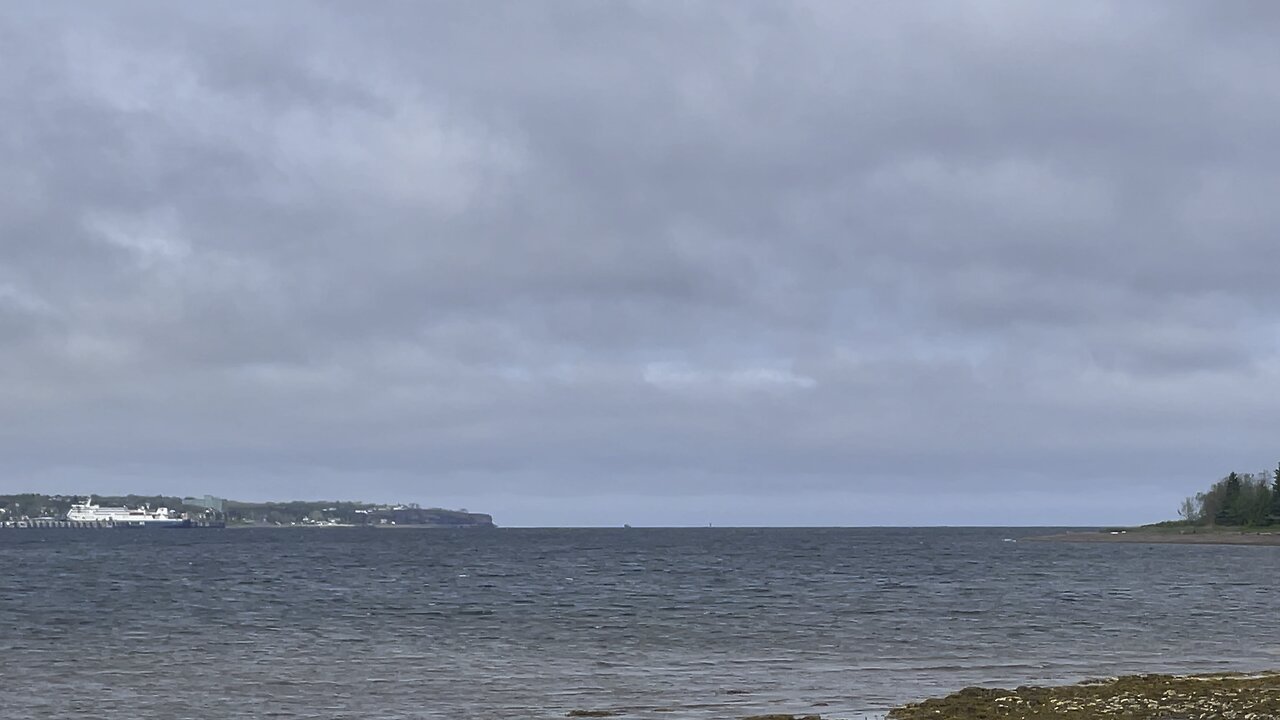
437 517
482 519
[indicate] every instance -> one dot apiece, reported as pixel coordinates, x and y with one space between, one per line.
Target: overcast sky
581 263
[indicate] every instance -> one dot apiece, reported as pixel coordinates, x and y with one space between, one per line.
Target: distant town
33 507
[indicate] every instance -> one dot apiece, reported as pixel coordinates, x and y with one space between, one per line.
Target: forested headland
1237 500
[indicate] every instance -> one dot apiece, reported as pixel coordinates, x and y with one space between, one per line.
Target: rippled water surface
691 623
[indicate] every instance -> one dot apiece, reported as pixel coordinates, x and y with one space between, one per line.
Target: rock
1139 697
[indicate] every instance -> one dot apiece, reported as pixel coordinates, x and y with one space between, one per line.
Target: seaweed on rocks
1136 697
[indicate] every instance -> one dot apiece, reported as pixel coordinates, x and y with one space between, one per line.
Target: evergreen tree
1275 498
1229 514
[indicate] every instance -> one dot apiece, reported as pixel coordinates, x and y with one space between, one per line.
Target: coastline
318 526
1162 537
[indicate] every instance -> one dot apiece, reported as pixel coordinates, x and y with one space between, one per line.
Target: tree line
1239 499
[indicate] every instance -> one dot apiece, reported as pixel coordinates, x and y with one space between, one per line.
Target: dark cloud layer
578 263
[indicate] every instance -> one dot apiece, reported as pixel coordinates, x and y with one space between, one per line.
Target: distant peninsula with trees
1238 500
237 513
1239 509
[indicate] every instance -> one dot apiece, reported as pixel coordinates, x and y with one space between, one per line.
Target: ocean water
672 623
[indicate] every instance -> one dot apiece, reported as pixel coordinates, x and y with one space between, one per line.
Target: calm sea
687 623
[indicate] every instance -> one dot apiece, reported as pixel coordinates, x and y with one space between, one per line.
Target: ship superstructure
122 516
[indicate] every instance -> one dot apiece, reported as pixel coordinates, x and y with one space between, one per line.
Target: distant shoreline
1164 537
38 507
371 526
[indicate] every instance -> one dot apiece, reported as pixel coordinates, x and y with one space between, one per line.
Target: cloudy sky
660 263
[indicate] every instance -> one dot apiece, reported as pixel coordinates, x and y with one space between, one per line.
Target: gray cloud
641 262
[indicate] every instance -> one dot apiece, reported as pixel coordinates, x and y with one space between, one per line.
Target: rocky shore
1139 697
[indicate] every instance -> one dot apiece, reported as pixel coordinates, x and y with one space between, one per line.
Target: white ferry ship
121 516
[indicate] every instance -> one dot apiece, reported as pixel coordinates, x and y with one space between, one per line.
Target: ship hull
151 525
179 525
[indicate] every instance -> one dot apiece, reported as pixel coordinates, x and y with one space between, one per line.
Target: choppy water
695 623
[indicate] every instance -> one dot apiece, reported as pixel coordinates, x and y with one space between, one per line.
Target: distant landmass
30 506
1239 509
1250 500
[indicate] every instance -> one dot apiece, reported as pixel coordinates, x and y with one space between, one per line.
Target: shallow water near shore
663 623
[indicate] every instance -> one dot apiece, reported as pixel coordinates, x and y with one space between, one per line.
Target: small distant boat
124 517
